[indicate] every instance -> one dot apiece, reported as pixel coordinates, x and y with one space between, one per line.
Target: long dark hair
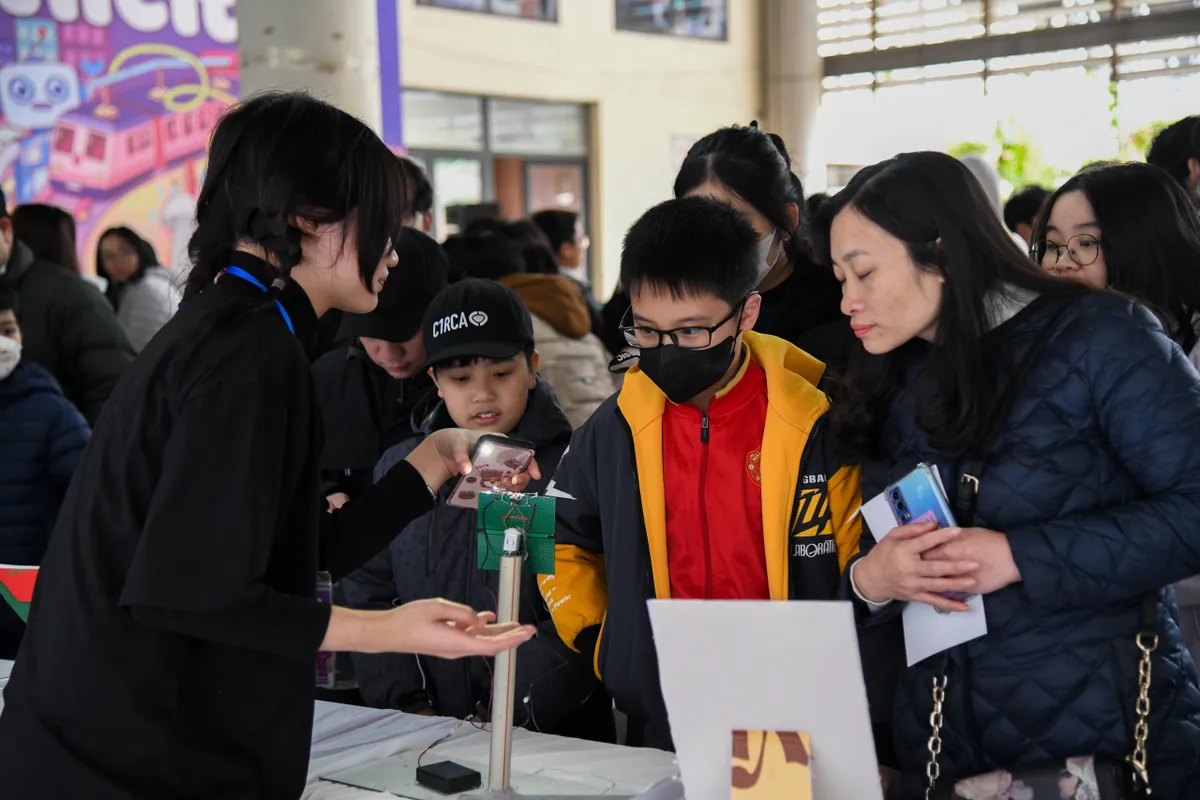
49 232
280 157
145 255
754 165
936 207
1150 238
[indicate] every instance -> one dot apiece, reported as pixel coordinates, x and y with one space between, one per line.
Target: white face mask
10 356
765 262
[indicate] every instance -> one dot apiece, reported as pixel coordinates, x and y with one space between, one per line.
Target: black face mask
682 374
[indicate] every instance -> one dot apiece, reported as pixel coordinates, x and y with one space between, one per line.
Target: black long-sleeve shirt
172 640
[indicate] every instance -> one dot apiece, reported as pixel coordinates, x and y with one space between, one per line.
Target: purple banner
388 22
106 108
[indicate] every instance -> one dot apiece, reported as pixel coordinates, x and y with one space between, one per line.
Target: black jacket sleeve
366 525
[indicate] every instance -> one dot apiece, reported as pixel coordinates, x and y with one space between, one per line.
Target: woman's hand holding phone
897 568
447 453
989 549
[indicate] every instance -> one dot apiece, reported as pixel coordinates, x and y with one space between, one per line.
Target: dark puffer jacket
1095 479
436 556
42 437
70 329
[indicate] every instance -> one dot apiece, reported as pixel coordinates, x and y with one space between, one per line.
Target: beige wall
647 91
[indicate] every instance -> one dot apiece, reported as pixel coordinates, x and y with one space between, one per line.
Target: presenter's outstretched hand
449 630
423 627
446 453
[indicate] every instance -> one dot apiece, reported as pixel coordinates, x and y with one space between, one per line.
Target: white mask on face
10 356
765 262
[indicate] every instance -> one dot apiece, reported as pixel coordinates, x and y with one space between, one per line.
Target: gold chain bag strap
1126 780
1134 782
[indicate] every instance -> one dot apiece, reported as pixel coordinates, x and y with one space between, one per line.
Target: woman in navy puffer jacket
42 437
1089 499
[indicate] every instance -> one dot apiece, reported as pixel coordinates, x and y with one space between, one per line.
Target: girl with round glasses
1132 229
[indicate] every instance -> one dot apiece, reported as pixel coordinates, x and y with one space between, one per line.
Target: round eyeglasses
1082 248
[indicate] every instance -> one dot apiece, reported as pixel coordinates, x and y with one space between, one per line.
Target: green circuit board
530 513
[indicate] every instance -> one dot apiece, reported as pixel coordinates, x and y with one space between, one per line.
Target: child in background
42 437
480 353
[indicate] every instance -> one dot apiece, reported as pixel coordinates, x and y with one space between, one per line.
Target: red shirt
713 493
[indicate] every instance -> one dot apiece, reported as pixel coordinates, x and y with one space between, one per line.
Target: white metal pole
512 566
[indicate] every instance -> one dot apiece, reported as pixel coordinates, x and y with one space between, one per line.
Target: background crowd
912 317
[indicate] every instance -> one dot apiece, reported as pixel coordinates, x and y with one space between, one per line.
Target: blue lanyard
246 276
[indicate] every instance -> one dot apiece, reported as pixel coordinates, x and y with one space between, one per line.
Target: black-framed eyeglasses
690 338
1082 248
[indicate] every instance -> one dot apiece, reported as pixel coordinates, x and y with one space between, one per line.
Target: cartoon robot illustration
34 95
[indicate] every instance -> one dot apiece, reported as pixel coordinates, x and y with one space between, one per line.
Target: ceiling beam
1093 34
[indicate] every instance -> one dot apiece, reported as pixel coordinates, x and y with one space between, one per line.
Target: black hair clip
753 124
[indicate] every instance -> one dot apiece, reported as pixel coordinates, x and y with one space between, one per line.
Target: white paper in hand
927 631
765 666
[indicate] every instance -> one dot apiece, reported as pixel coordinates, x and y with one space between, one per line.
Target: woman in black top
171 645
751 170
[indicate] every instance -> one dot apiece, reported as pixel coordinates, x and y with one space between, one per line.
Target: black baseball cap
476 318
420 274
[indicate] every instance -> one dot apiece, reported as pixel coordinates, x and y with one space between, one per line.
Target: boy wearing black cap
369 388
480 353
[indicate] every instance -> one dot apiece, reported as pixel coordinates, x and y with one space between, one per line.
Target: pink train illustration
92 153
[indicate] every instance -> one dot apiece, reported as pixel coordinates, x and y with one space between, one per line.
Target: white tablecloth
384 743
347 737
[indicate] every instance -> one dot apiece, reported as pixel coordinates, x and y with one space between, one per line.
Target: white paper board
750 665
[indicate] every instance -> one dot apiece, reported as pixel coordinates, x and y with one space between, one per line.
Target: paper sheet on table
927 631
751 665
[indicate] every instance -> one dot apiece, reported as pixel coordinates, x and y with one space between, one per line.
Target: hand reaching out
446 453
449 630
424 627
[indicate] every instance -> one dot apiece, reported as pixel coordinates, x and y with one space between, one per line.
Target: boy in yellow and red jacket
708 476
